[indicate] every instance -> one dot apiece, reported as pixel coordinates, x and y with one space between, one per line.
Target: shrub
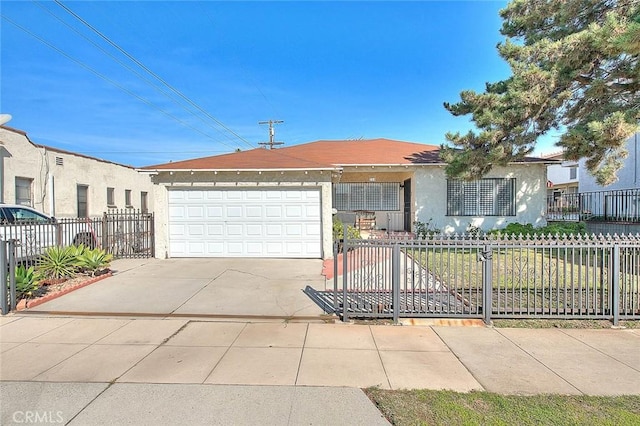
424 229
26 282
94 262
338 231
560 228
58 263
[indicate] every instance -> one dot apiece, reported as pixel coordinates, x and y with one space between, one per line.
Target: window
573 173
18 214
23 191
483 197
127 197
82 193
111 197
144 202
374 196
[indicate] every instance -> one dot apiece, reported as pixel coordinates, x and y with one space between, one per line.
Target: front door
407 205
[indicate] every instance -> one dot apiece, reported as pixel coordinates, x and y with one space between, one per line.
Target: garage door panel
273 212
253 212
293 229
214 212
194 195
234 230
215 248
215 231
274 229
233 212
195 231
245 223
293 212
194 212
196 248
254 230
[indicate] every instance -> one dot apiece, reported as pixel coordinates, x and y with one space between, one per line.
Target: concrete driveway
215 287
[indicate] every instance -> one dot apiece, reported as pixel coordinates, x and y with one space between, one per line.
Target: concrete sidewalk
183 404
241 361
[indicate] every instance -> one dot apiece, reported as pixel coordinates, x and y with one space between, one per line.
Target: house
66 184
562 187
628 176
279 203
562 176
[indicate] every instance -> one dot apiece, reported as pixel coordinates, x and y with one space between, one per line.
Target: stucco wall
430 198
243 180
21 158
628 176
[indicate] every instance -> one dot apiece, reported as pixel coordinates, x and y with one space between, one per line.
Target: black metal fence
610 206
577 277
123 233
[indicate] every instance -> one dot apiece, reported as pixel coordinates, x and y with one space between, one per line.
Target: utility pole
272 133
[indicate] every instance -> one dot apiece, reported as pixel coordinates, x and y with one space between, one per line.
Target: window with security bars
373 196
483 197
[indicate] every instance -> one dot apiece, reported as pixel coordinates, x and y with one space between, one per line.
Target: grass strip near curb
431 407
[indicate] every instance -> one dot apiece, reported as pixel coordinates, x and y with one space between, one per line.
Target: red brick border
30 303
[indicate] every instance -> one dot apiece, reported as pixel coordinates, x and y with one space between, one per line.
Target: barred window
373 196
483 197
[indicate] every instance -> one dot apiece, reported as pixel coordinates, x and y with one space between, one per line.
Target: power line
156 87
107 79
144 67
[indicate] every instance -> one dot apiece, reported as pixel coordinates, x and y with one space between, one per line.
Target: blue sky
330 70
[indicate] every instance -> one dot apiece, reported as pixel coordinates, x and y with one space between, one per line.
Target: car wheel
86 240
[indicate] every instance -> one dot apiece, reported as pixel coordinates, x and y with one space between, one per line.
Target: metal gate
579 277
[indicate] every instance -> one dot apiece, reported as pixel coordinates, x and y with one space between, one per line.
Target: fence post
105 233
11 251
345 272
487 283
4 305
395 282
615 284
152 234
335 276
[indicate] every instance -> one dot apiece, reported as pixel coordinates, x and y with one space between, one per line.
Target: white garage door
244 223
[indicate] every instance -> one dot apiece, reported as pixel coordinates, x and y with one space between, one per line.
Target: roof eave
241 170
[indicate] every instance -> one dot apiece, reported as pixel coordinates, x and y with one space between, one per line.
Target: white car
35 231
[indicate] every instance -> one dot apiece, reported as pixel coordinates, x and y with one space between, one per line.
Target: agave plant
26 282
94 261
58 263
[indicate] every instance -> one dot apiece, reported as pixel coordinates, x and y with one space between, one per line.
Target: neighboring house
66 184
562 177
562 186
279 203
628 176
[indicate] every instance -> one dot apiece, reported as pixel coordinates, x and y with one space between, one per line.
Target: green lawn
515 268
429 407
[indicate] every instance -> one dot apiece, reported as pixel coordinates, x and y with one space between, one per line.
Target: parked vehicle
35 231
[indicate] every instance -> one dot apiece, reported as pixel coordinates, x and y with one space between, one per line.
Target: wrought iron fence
611 206
123 233
580 277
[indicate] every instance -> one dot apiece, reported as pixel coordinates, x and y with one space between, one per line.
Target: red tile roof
319 155
255 159
315 155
